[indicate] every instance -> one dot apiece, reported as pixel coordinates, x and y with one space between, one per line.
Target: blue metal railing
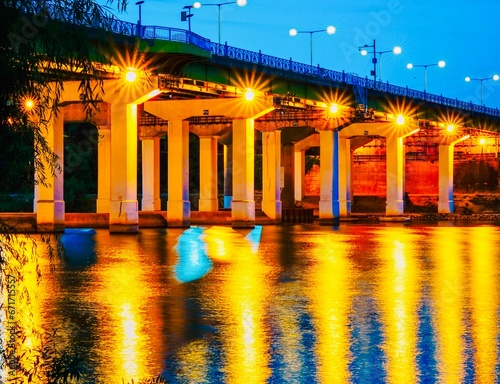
342 77
223 50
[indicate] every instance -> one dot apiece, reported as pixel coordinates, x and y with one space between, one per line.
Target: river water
390 303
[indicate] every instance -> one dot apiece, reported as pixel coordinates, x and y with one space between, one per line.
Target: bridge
174 83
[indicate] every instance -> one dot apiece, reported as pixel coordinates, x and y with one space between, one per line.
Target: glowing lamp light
441 63
249 95
334 108
450 128
482 141
467 79
241 3
409 66
131 75
293 32
496 77
331 29
196 4
397 50
29 104
363 52
400 120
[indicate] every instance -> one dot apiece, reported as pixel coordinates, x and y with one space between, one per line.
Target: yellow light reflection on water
193 359
448 287
242 297
330 287
399 296
484 300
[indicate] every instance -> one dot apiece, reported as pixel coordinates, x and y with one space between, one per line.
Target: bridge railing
160 33
342 77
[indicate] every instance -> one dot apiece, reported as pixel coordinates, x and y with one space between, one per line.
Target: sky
463 33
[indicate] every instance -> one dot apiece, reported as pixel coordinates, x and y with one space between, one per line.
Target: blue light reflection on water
254 306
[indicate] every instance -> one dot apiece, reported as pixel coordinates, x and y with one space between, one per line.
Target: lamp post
186 16
240 3
139 22
330 30
494 78
440 64
396 50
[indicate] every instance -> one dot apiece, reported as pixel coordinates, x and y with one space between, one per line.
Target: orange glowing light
29 104
249 95
400 119
482 141
450 128
131 75
334 108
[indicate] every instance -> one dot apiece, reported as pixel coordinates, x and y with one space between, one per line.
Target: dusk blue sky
463 33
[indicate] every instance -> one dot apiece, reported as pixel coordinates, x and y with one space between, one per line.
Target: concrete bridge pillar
49 194
343 172
178 206
103 170
299 173
271 175
151 174
327 149
395 176
208 174
446 151
243 204
228 175
123 212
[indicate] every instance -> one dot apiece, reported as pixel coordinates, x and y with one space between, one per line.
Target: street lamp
186 16
440 64
240 3
139 22
396 50
494 78
330 30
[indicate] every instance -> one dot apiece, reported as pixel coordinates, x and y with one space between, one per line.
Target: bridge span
172 83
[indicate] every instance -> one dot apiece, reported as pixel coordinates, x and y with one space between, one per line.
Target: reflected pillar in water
448 297
178 207
484 301
151 174
123 214
399 275
243 204
208 174
446 150
331 282
271 174
49 204
103 170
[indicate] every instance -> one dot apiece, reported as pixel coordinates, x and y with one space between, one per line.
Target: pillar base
243 214
147 205
345 208
50 215
273 210
208 205
102 205
179 214
326 210
394 208
446 206
123 216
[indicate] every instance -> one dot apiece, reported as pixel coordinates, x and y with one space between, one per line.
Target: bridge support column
151 175
49 204
446 152
328 186
271 175
178 207
299 174
228 175
243 204
123 212
208 174
103 170
343 169
395 176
